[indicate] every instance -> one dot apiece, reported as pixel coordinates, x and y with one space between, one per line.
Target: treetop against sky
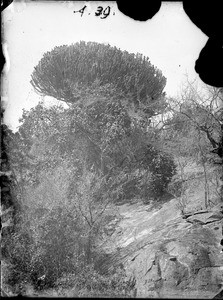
170 40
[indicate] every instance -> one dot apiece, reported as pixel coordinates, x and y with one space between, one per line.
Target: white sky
169 39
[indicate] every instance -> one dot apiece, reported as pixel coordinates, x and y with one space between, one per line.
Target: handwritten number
99 11
106 13
81 10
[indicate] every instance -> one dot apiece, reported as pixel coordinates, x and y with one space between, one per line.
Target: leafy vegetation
73 166
65 72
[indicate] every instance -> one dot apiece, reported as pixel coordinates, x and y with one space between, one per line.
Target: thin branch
84 215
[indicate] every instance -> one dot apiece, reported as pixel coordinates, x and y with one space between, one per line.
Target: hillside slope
169 255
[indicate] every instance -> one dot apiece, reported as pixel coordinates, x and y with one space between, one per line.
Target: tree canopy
67 71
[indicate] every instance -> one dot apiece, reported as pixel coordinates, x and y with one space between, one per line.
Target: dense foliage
75 164
195 124
67 71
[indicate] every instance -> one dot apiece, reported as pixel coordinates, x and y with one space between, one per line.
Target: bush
56 252
17 254
49 248
46 242
152 179
57 235
90 283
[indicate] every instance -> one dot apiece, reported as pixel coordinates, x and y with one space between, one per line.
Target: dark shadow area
128 201
141 11
157 204
207 17
154 203
219 295
210 63
5 3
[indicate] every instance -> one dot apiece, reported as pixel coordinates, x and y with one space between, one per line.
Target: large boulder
184 265
169 256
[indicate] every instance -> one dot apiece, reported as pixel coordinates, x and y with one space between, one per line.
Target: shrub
151 180
57 235
90 283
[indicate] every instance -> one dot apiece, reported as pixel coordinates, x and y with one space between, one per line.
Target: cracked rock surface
167 256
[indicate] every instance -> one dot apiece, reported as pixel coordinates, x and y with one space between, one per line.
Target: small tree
193 128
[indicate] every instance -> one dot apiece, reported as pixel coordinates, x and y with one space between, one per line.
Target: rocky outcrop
172 257
187 265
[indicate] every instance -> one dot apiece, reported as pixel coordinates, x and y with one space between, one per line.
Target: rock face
170 257
185 265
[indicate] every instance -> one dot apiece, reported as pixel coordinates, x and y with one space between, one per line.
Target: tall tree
112 95
67 71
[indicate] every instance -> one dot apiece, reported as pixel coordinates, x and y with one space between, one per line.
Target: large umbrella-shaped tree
66 72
